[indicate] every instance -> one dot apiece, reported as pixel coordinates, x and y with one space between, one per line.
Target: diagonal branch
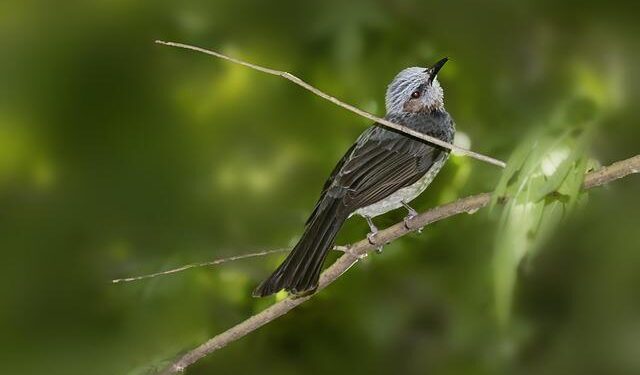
337 102
360 249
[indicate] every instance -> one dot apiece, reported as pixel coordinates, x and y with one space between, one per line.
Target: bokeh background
120 157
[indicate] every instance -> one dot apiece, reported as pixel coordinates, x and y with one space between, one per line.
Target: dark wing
383 162
379 163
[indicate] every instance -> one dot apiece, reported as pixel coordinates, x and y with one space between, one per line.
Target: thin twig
344 105
202 264
469 205
211 263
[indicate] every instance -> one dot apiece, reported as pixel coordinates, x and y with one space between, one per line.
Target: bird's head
416 90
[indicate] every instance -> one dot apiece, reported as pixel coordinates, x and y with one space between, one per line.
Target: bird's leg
412 213
371 236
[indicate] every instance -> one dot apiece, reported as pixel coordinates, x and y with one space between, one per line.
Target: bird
382 171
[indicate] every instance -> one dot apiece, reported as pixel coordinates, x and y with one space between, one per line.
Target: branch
360 249
337 102
613 172
214 262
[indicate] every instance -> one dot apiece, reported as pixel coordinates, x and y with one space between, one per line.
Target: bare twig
202 264
469 204
214 262
337 102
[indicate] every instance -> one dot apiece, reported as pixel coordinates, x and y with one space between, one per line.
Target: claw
371 236
411 214
372 240
406 221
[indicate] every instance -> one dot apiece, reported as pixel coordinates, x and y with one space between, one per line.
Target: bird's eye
415 94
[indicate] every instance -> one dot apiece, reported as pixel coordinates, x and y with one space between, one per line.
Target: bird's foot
411 214
408 225
371 236
372 240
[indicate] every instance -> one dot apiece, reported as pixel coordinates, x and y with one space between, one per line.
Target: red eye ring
415 94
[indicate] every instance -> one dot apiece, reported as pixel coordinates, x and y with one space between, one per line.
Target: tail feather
300 271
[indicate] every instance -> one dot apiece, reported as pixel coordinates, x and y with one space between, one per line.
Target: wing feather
381 162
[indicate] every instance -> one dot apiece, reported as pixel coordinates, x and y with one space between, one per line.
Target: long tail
299 273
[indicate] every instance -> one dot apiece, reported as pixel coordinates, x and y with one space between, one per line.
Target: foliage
541 185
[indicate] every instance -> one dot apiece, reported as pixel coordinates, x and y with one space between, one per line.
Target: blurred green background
120 157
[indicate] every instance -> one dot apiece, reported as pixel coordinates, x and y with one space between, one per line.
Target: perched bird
383 170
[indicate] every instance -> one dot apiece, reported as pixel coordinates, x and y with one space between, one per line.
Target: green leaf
514 164
572 185
519 218
559 163
542 183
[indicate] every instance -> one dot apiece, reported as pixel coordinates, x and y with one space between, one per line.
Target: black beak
433 71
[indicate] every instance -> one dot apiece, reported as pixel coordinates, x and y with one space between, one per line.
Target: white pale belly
405 194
